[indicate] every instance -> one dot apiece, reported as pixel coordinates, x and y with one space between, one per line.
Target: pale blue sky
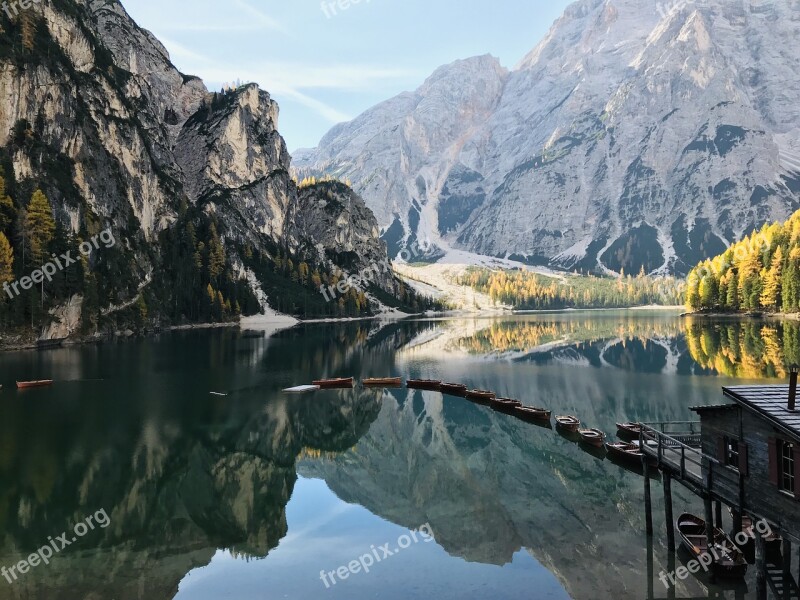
323 69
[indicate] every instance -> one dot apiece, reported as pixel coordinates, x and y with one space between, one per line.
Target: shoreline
272 323
749 316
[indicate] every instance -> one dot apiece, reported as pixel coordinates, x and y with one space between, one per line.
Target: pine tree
216 255
219 306
6 260
770 296
732 299
7 210
708 292
141 309
790 283
39 226
693 291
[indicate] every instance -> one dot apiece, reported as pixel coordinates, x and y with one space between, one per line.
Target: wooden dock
675 449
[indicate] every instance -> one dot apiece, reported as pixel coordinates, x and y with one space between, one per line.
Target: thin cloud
266 21
177 50
246 18
325 111
292 80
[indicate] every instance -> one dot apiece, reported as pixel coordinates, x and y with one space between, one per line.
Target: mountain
194 186
631 137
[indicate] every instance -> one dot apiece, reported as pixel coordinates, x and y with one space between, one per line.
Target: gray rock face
632 136
236 164
335 219
135 142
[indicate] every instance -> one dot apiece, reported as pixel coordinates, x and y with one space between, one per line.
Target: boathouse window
784 465
732 452
787 473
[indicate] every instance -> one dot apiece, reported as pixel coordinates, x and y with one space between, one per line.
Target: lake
259 494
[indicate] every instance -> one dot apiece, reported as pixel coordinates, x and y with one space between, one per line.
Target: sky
324 64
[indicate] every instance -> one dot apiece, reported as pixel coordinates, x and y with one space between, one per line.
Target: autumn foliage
759 273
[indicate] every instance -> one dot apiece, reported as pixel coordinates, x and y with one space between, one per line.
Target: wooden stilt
651 569
737 520
761 567
718 514
648 504
787 558
668 511
710 530
671 591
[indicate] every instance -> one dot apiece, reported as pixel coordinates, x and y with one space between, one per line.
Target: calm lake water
254 494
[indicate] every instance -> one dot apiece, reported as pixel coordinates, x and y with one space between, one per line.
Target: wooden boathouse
744 454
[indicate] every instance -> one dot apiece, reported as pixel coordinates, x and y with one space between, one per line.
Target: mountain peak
632 136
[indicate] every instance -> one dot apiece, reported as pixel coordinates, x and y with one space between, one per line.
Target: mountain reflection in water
131 428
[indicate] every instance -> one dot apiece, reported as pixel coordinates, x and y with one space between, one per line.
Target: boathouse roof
714 408
768 401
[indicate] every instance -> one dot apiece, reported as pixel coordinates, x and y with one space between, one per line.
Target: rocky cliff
195 186
632 136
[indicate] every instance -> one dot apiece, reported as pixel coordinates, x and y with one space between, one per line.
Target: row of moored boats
628 450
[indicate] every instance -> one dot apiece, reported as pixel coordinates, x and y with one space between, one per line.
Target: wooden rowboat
329 384
625 452
629 430
527 413
727 560
505 405
568 423
424 384
22 385
454 389
593 437
481 396
393 382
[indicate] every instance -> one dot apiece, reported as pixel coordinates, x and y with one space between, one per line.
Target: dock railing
675 445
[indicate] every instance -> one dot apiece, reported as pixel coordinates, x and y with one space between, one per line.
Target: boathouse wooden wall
761 496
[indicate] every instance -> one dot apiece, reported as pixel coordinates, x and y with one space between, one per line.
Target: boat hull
628 453
24 385
424 384
393 382
592 437
454 389
332 384
532 415
480 397
629 431
568 424
505 405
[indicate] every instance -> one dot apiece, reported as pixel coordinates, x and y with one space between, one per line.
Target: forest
525 290
759 273
193 281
